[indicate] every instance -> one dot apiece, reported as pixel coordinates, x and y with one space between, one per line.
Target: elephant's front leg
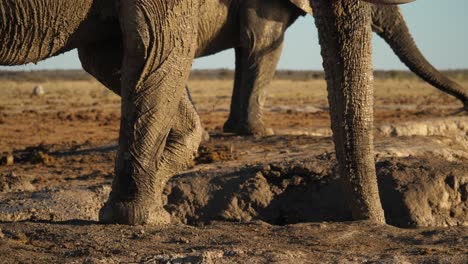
158 38
345 37
254 71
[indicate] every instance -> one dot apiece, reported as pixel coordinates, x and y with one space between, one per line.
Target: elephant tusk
389 2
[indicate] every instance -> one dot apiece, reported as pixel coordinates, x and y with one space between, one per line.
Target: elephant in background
248 97
143 50
255 29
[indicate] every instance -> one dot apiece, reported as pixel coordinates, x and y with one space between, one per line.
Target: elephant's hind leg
103 60
158 40
182 143
254 71
181 146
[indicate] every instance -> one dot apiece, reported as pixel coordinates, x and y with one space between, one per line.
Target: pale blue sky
440 29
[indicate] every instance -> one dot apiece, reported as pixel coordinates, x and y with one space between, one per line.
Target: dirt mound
424 192
54 204
414 192
10 182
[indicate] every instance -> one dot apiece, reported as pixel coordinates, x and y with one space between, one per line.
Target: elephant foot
257 129
133 213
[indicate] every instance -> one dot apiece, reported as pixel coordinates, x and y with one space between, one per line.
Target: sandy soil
247 200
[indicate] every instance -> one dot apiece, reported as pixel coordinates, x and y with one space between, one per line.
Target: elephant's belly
33 30
216 45
216 28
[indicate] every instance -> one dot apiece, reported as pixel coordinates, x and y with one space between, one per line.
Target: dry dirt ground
245 200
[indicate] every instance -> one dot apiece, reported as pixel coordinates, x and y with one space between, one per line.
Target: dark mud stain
214 153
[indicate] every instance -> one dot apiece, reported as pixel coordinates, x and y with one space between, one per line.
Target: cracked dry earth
245 200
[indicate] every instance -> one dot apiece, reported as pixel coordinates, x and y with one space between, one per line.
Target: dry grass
58 94
214 93
313 92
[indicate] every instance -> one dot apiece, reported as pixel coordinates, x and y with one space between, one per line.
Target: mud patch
209 153
40 154
89 115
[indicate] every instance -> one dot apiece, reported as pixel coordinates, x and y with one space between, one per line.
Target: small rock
38 90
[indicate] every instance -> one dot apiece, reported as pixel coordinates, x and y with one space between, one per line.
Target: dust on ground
248 200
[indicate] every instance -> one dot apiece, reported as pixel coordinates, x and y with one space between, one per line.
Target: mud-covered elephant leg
344 28
254 71
262 26
388 23
158 40
104 63
184 138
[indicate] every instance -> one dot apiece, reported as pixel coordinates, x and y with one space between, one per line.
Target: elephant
246 112
143 50
257 56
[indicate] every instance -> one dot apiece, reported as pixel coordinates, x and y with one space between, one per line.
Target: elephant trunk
388 23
